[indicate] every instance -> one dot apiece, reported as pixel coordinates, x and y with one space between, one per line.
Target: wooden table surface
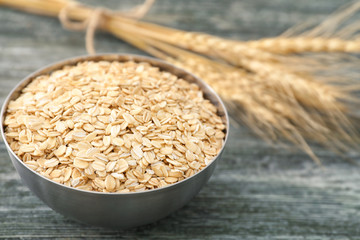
256 192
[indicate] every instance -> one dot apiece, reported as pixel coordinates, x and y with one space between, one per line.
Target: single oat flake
113 127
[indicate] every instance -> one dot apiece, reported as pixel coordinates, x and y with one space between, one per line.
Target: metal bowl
115 210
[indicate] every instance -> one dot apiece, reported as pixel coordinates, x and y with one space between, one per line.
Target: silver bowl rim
62 63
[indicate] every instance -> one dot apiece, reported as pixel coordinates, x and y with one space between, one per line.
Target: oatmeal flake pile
113 127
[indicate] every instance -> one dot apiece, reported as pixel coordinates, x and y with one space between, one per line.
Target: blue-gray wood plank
256 192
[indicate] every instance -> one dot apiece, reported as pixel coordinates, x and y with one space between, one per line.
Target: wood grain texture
256 192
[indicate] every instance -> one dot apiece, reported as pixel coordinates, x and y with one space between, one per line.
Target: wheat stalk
306 44
335 34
